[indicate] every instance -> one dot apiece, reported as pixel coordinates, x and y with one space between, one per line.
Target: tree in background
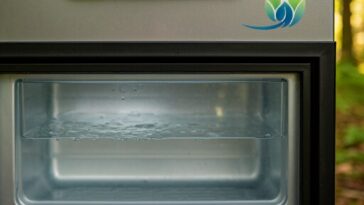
347 37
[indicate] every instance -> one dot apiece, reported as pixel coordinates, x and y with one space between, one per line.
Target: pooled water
146 126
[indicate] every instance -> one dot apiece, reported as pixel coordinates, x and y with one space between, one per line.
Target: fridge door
156 139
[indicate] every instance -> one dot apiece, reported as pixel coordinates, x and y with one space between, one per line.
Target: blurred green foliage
350 109
354 135
343 156
349 87
349 103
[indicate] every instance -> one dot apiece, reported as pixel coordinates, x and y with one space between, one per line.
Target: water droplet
268 135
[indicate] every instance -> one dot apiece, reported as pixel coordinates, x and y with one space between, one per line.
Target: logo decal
283 12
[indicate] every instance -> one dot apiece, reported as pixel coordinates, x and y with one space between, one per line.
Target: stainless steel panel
156 20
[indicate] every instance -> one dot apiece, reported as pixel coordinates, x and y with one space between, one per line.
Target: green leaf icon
295 3
299 11
274 3
298 7
285 13
270 10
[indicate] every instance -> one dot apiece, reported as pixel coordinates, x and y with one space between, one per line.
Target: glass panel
171 138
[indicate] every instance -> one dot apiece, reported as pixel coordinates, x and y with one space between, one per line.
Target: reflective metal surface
156 20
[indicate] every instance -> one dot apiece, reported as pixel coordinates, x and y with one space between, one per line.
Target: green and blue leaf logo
285 13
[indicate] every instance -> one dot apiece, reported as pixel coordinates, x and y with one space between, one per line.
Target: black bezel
314 62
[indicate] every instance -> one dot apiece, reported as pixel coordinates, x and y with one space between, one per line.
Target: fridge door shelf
134 126
142 110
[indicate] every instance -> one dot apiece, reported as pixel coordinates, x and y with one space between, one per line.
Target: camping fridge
135 102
